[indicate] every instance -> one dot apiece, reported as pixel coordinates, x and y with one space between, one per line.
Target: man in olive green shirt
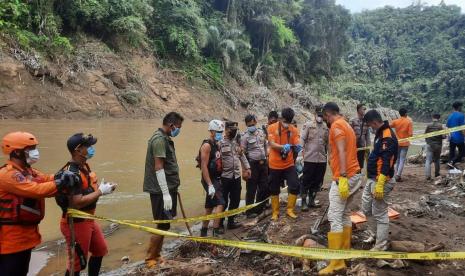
161 180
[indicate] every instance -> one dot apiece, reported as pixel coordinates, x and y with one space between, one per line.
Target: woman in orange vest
22 193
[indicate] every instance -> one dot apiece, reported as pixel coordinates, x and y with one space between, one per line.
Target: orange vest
21 194
88 185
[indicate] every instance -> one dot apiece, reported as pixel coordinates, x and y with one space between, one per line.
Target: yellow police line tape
424 136
288 250
192 219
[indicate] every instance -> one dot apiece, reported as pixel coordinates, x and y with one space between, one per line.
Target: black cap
79 139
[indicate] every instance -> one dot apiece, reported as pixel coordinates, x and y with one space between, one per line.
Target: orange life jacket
17 210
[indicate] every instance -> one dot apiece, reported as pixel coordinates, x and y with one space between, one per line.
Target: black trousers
313 176
278 176
257 185
452 156
232 194
15 264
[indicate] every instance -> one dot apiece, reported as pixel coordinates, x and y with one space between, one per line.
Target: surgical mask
319 119
175 132
252 129
218 136
90 152
285 125
33 156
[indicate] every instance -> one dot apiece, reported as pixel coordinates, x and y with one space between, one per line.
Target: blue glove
287 148
298 148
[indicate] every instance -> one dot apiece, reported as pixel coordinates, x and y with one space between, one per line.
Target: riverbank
96 82
431 214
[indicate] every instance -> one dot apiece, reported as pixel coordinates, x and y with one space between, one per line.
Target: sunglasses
85 139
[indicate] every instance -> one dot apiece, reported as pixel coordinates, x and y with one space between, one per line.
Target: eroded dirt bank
96 82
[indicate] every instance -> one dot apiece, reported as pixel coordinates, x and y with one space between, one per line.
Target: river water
120 158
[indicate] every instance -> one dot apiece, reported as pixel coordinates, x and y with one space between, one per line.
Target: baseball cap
79 139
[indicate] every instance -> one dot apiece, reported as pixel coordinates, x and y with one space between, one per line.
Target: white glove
211 190
167 200
105 188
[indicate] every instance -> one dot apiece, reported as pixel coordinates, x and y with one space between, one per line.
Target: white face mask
33 156
319 119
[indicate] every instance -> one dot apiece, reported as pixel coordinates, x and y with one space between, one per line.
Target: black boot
304 207
204 232
311 201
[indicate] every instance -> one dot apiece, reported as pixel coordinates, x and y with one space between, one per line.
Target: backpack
215 165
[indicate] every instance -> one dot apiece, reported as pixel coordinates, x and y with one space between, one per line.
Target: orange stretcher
358 217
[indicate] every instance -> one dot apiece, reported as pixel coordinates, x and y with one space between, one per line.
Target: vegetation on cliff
412 57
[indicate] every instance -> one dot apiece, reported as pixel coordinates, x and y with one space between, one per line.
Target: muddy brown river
120 157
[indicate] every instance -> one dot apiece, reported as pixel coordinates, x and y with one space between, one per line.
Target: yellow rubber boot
335 241
291 200
275 207
347 237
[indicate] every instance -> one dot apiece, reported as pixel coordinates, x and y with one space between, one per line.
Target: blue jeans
401 158
433 154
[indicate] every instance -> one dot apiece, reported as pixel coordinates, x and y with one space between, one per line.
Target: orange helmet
18 140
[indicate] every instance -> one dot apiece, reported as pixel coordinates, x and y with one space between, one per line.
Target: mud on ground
432 214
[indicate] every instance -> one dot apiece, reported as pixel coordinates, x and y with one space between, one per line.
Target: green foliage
12 14
409 57
260 39
132 97
283 35
180 26
61 45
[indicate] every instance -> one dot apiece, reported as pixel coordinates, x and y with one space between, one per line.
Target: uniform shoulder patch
18 177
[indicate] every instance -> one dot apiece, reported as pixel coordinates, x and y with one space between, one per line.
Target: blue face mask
252 129
175 132
219 136
90 152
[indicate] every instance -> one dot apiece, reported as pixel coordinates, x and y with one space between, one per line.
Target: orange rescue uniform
17 238
404 129
341 130
288 136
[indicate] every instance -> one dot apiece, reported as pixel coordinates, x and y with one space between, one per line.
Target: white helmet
216 125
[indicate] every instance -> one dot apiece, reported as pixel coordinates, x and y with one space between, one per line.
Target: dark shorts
218 199
159 212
